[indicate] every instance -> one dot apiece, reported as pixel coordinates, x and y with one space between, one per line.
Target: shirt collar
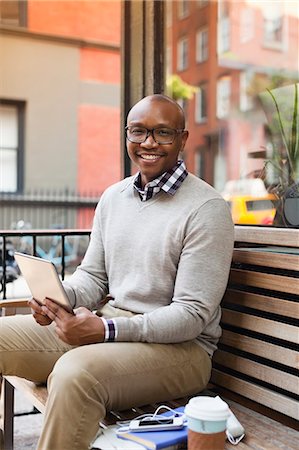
169 182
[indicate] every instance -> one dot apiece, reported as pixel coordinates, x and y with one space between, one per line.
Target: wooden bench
256 367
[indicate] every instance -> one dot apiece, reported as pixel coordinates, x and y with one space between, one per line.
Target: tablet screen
42 279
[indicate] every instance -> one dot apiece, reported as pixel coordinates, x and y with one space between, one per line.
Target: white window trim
202 3
200 54
223 28
199 118
281 45
182 64
223 97
247 25
183 9
9 147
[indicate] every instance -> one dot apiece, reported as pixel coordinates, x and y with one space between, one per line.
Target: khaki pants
85 382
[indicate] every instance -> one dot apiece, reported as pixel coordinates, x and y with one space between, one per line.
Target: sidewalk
26 428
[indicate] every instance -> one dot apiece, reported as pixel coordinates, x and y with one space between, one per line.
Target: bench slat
264 280
268 398
285 237
261 372
260 348
266 258
268 327
273 305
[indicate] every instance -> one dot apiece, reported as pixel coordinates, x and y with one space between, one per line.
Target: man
161 246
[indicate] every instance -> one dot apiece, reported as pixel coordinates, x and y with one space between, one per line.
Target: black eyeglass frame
151 131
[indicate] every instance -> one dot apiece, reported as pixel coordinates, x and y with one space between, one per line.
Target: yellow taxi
248 209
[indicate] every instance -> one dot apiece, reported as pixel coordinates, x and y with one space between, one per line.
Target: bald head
174 107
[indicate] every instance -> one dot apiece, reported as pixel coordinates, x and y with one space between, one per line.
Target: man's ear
185 135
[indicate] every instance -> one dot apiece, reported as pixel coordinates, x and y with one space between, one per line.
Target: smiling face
153 159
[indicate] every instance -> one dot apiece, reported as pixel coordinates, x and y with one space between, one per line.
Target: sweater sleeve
201 280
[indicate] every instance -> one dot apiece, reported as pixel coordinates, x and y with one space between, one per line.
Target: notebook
42 279
155 440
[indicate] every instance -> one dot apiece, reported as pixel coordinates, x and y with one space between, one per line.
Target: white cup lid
207 408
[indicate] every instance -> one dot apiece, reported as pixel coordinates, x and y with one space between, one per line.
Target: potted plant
281 109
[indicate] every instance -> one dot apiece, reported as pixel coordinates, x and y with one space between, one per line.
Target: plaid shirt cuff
110 330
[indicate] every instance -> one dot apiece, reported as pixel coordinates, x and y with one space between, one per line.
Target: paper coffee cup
206 418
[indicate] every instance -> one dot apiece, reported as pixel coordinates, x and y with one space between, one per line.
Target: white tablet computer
42 279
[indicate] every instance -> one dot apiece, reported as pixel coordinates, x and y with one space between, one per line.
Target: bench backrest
257 354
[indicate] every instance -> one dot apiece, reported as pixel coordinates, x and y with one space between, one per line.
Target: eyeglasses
161 135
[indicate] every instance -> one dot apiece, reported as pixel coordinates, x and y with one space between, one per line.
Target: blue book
155 440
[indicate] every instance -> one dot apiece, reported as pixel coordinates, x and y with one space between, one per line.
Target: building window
183 9
13 13
223 41
273 26
247 25
202 3
202 45
201 104
182 63
198 164
11 142
223 97
245 99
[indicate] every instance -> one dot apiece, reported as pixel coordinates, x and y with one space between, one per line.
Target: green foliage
281 108
283 119
290 140
179 89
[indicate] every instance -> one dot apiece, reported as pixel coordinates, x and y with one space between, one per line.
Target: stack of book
111 438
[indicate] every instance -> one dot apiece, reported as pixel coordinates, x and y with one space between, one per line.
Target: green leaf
294 146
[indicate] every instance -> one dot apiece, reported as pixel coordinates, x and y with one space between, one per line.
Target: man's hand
81 328
38 313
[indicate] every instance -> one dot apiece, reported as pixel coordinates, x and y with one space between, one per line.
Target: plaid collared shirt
169 182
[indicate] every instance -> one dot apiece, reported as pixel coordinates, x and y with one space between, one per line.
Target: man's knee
65 372
70 375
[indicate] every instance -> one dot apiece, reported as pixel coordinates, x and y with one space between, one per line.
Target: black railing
47 209
64 247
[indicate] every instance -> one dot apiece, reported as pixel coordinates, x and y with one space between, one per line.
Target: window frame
20 108
223 27
182 54
21 20
280 44
202 47
183 9
199 100
220 82
202 3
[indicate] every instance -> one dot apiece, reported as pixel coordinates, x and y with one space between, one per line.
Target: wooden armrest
15 303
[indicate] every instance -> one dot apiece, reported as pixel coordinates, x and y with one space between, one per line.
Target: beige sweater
166 259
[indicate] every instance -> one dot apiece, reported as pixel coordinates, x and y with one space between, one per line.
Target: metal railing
48 209
64 247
